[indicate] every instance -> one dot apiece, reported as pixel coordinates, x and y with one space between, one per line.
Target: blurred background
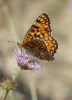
54 80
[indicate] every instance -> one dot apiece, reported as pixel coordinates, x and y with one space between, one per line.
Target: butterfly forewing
51 45
39 29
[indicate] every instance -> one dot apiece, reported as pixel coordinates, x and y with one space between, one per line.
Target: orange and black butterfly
38 41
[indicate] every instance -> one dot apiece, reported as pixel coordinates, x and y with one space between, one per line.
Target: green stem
33 90
6 94
10 21
17 74
2 93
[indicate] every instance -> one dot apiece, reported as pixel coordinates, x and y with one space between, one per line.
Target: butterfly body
38 40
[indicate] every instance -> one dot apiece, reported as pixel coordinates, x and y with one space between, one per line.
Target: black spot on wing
38 21
37 27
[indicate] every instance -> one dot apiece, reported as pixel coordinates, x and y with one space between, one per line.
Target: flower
70 5
8 84
26 61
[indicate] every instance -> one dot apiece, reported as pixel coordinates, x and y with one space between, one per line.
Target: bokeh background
54 80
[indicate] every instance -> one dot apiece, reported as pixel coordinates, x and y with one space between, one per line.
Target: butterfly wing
38 40
39 29
38 48
43 49
51 44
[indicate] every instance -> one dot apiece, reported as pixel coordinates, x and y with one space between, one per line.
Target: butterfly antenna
16 43
12 41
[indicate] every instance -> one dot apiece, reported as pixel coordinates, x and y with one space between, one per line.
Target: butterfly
39 41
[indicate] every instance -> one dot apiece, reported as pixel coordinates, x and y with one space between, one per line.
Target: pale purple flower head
70 5
25 61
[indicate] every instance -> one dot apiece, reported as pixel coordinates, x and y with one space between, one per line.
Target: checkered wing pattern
38 41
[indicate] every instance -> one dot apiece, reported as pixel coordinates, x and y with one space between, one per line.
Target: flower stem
10 21
3 93
33 90
17 74
6 94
